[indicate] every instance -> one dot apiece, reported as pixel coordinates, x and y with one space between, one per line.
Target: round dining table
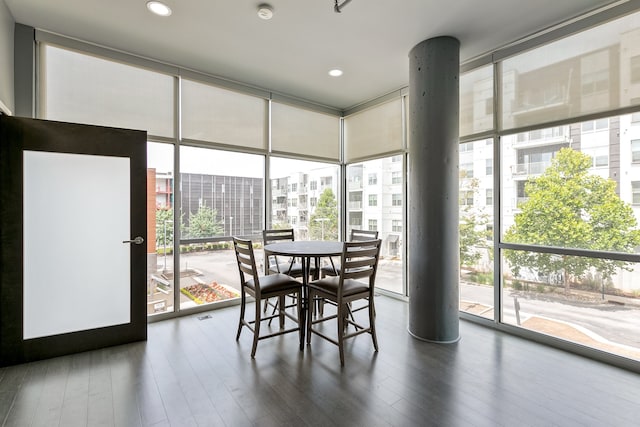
305 250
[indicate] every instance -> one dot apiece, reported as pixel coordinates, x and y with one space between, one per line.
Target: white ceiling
292 53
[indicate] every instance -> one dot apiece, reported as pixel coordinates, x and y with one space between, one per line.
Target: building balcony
535 139
532 168
558 101
354 185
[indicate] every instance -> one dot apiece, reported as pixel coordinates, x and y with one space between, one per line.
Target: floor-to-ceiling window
375 184
220 187
305 194
561 195
476 193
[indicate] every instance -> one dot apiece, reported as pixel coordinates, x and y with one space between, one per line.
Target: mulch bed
212 292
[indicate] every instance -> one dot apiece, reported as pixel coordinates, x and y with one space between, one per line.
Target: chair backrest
360 260
358 235
246 263
274 236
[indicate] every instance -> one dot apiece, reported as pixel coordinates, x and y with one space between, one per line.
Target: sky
217 162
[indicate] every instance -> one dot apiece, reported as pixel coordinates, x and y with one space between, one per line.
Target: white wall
6 58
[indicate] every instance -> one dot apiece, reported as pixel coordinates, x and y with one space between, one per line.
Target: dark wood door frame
16 136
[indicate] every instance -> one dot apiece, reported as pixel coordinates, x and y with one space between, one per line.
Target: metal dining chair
262 288
359 261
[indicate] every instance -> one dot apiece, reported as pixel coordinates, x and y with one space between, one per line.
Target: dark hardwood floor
192 372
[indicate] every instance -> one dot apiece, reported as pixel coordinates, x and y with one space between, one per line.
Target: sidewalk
578 335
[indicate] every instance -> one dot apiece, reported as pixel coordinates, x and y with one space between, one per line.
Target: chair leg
301 324
281 308
256 330
341 325
241 322
310 297
320 302
372 323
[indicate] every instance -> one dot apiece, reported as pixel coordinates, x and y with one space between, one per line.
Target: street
613 322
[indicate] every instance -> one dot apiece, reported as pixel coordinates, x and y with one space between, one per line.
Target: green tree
203 223
164 227
570 208
474 236
324 220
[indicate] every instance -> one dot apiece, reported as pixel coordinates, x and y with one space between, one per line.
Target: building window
489 166
373 200
602 124
635 192
489 197
635 150
466 146
466 198
395 159
594 125
313 201
326 181
396 177
396 226
373 179
601 160
355 221
294 187
373 225
313 185
396 200
466 170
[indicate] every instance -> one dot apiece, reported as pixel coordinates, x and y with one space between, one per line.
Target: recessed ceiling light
265 11
335 72
159 8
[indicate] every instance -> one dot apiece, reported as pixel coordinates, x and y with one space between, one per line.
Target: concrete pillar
433 190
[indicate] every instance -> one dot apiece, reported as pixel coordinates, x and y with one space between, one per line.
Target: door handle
138 240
